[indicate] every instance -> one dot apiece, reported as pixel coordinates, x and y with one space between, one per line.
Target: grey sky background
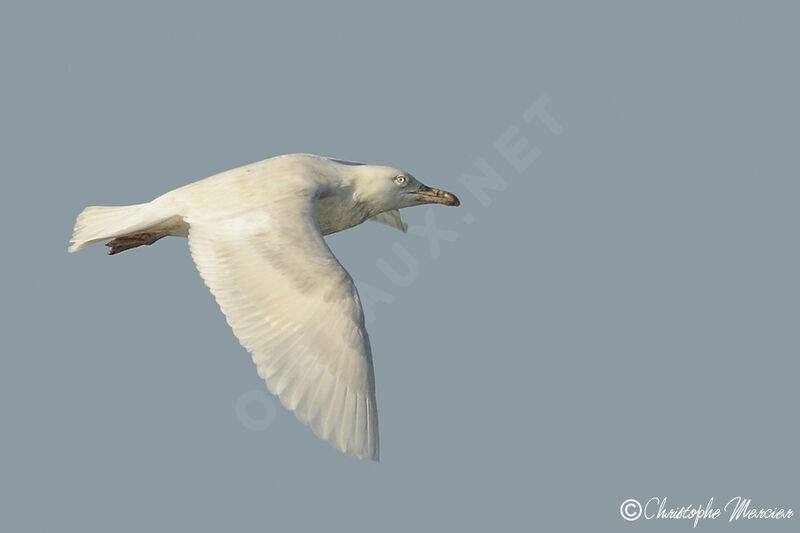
619 322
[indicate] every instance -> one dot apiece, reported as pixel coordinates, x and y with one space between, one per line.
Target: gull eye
401 180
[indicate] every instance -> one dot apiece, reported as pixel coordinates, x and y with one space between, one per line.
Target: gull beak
427 195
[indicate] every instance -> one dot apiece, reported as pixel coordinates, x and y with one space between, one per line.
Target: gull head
385 189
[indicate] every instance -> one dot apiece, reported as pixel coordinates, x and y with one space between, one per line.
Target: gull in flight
255 234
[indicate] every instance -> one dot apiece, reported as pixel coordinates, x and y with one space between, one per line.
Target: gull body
255 233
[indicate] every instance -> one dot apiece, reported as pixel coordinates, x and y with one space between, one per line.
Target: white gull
255 234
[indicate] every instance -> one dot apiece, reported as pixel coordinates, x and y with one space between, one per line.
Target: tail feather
98 223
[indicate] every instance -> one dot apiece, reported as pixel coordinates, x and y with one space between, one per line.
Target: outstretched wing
296 310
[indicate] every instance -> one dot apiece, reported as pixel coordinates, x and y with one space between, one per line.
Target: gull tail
131 223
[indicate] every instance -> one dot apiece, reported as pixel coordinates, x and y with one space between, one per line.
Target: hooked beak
428 195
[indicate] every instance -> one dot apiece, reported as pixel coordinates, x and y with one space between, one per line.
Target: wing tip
367 455
369 451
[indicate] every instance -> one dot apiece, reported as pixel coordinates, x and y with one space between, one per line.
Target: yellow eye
400 180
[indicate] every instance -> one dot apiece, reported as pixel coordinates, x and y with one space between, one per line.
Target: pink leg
126 242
